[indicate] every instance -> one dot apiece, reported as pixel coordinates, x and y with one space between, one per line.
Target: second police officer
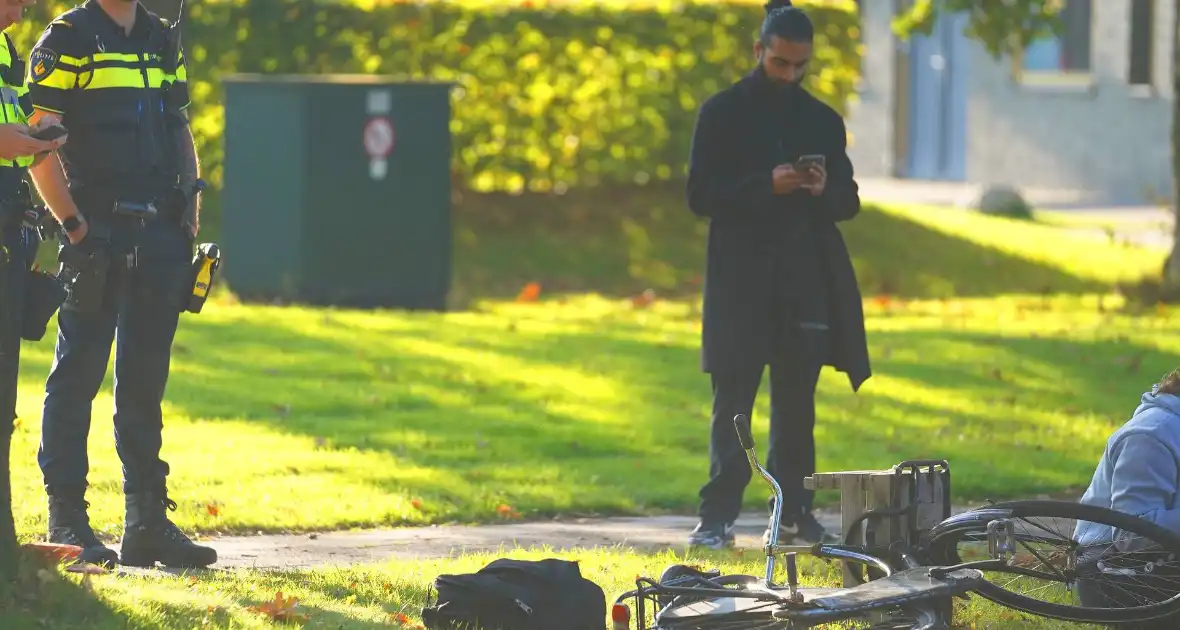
102 69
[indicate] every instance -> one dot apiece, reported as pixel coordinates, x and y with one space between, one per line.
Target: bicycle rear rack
884 509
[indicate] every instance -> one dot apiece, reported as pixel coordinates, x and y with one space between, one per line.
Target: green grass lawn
990 349
387 595
288 418
636 240
293 419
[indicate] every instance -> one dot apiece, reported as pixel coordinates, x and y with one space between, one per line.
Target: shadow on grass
610 415
41 598
621 242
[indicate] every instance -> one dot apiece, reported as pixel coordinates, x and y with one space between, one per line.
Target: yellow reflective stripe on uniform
10 109
105 56
106 70
112 77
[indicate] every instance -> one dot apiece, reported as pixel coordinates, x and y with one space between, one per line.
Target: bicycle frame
908 584
914 589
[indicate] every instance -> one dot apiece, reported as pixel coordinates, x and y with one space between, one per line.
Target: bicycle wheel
1127 570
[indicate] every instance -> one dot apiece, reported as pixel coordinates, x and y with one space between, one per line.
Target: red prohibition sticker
379 137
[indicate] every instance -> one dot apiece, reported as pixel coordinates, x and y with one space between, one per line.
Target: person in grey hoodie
1138 474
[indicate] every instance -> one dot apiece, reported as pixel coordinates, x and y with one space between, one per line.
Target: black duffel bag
508 594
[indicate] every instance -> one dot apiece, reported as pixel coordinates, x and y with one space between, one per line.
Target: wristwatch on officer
71 224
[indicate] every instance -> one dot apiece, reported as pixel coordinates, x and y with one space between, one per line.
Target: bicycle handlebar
741 422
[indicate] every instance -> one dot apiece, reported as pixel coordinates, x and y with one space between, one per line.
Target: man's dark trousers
794 373
140 312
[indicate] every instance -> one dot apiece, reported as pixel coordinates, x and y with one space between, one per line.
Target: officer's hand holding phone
17 141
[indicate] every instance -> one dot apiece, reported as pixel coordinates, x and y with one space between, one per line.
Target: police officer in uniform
106 71
17 247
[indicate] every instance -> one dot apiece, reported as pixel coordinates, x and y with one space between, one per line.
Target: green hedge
549 96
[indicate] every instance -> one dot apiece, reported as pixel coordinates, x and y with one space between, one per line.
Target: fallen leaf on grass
281 609
507 511
405 622
644 299
529 293
416 504
210 617
213 509
54 552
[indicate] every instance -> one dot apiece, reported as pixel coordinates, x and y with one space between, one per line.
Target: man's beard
779 86
787 87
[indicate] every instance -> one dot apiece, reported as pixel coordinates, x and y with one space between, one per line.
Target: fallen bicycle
1125 566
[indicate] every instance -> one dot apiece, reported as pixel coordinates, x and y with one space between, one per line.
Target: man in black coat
780 289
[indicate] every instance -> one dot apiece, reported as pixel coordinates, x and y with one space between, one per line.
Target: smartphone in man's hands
804 163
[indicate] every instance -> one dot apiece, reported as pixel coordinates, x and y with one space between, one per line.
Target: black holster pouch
84 270
135 210
39 220
44 294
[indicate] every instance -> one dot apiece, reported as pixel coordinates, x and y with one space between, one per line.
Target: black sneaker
806 528
712 535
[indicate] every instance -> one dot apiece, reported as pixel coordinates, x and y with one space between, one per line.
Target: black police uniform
17 250
122 108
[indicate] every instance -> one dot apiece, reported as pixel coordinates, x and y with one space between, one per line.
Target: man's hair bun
771 5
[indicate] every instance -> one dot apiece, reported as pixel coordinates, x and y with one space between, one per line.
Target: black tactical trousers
140 310
12 301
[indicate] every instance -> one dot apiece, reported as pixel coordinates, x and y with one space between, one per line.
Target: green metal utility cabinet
337 190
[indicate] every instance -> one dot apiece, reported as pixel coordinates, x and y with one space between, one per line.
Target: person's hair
786 22
1169 384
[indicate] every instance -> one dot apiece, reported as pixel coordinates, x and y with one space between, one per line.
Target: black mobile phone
805 162
51 132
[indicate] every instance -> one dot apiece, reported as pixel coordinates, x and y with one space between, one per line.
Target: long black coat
736 144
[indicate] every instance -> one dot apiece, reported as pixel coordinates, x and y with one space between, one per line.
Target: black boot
70 525
150 537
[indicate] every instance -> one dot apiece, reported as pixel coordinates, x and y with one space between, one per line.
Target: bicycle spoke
1119 574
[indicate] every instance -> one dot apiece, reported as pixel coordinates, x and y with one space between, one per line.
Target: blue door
938 101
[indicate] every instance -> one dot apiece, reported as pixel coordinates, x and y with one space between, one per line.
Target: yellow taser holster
206 260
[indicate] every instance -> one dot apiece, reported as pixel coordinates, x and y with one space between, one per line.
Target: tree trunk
1171 280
